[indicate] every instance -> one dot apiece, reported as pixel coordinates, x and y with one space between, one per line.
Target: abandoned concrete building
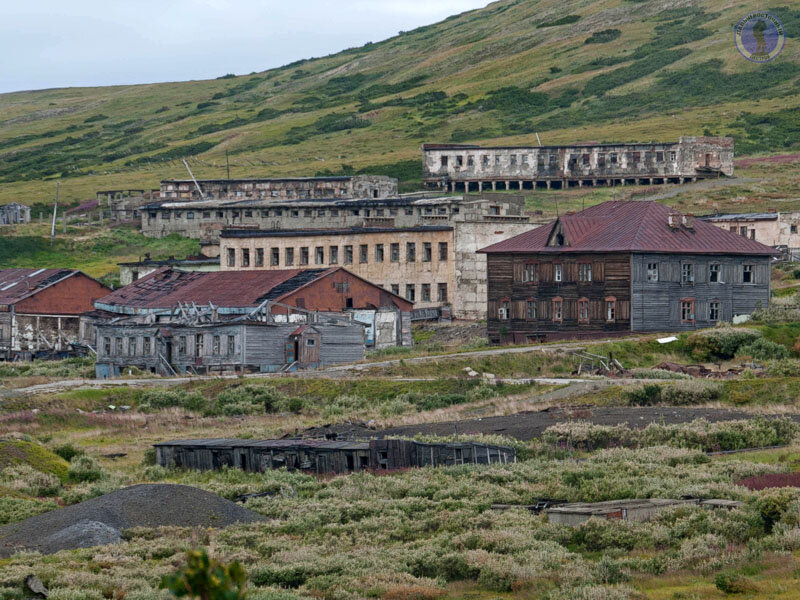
40 311
284 188
620 267
776 229
475 168
434 266
325 456
204 220
123 206
15 214
291 297
133 271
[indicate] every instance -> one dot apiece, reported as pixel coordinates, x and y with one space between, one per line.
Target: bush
207 579
786 367
691 392
602 37
762 349
720 343
192 401
67 451
84 469
647 395
773 504
733 583
26 480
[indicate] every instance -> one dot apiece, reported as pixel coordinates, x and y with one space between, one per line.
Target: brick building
465 168
40 310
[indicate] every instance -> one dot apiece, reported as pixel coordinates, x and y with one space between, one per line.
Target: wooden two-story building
619 267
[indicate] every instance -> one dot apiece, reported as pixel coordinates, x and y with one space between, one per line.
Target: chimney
674 220
688 221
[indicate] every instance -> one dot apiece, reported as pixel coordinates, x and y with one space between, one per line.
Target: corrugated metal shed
636 226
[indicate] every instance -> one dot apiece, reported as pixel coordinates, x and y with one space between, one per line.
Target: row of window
304 256
557 313
301 194
531 272
425 292
306 213
551 160
714 273
145 346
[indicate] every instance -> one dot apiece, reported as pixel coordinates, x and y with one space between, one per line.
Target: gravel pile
101 520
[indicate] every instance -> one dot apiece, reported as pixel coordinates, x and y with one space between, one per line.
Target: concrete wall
14 214
470 298
782 230
505 168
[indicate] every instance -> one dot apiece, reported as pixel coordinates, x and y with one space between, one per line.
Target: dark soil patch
771 480
102 520
531 425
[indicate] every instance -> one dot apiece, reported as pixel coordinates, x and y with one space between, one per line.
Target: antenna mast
197 185
55 213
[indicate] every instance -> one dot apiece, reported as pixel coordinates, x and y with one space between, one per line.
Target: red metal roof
165 288
18 284
634 226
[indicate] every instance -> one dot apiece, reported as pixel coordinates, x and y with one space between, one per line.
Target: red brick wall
72 296
323 295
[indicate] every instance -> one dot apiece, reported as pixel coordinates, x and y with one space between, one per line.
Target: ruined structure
620 267
123 206
14 214
284 188
776 229
325 456
205 219
40 311
627 510
466 168
133 271
235 321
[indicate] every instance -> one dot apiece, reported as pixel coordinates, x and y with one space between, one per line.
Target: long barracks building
467 168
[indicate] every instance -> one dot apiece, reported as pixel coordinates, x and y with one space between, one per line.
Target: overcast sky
60 43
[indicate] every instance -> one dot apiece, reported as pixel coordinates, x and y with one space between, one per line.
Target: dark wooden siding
656 305
610 278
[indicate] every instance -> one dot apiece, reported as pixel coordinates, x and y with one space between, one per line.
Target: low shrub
26 480
719 343
13 510
684 393
733 583
647 395
785 367
67 451
84 469
160 399
762 349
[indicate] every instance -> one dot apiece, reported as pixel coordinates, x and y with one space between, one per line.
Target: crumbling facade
15 214
284 188
204 220
40 311
123 206
781 230
475 168
325 456
133 271
435 267
620 267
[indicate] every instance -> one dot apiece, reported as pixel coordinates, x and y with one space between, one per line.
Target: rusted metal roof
165 288
18 284
634 226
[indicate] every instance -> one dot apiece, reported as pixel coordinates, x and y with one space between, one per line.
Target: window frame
652 272
715 275
712 308
583 305
689 303
748 269
687 273
558 272
584 272
610 311
558 309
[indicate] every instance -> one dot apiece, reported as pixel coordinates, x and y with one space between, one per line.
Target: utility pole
55 214
197 185
228 165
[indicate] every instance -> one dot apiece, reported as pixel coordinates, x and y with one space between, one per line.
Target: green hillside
618 70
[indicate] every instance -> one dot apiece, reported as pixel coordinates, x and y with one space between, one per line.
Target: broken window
687 273
426 292
207 214
378 252
585 272
494 210
275 257
443 251
411 252
459 161
118 344
248 213
672 155
231 345
583 310
190 215
558 310
231 257
427 252
411 292
107 346
660 156
394 250
396 289
747 274
288 257
132 346
713 310
146 345
714 273
363 253
304 255
513 160
611 309
530 273
687 310
259 257
496 160
245 257
585 159
504 312
444 161
319 255
198 345
215 346
652 271
442 292
485 160
308 213
530 310
348 255
601 160
613 158
470 161
182 345
334 212
793 229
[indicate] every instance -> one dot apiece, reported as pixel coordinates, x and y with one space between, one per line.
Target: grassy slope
45 134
